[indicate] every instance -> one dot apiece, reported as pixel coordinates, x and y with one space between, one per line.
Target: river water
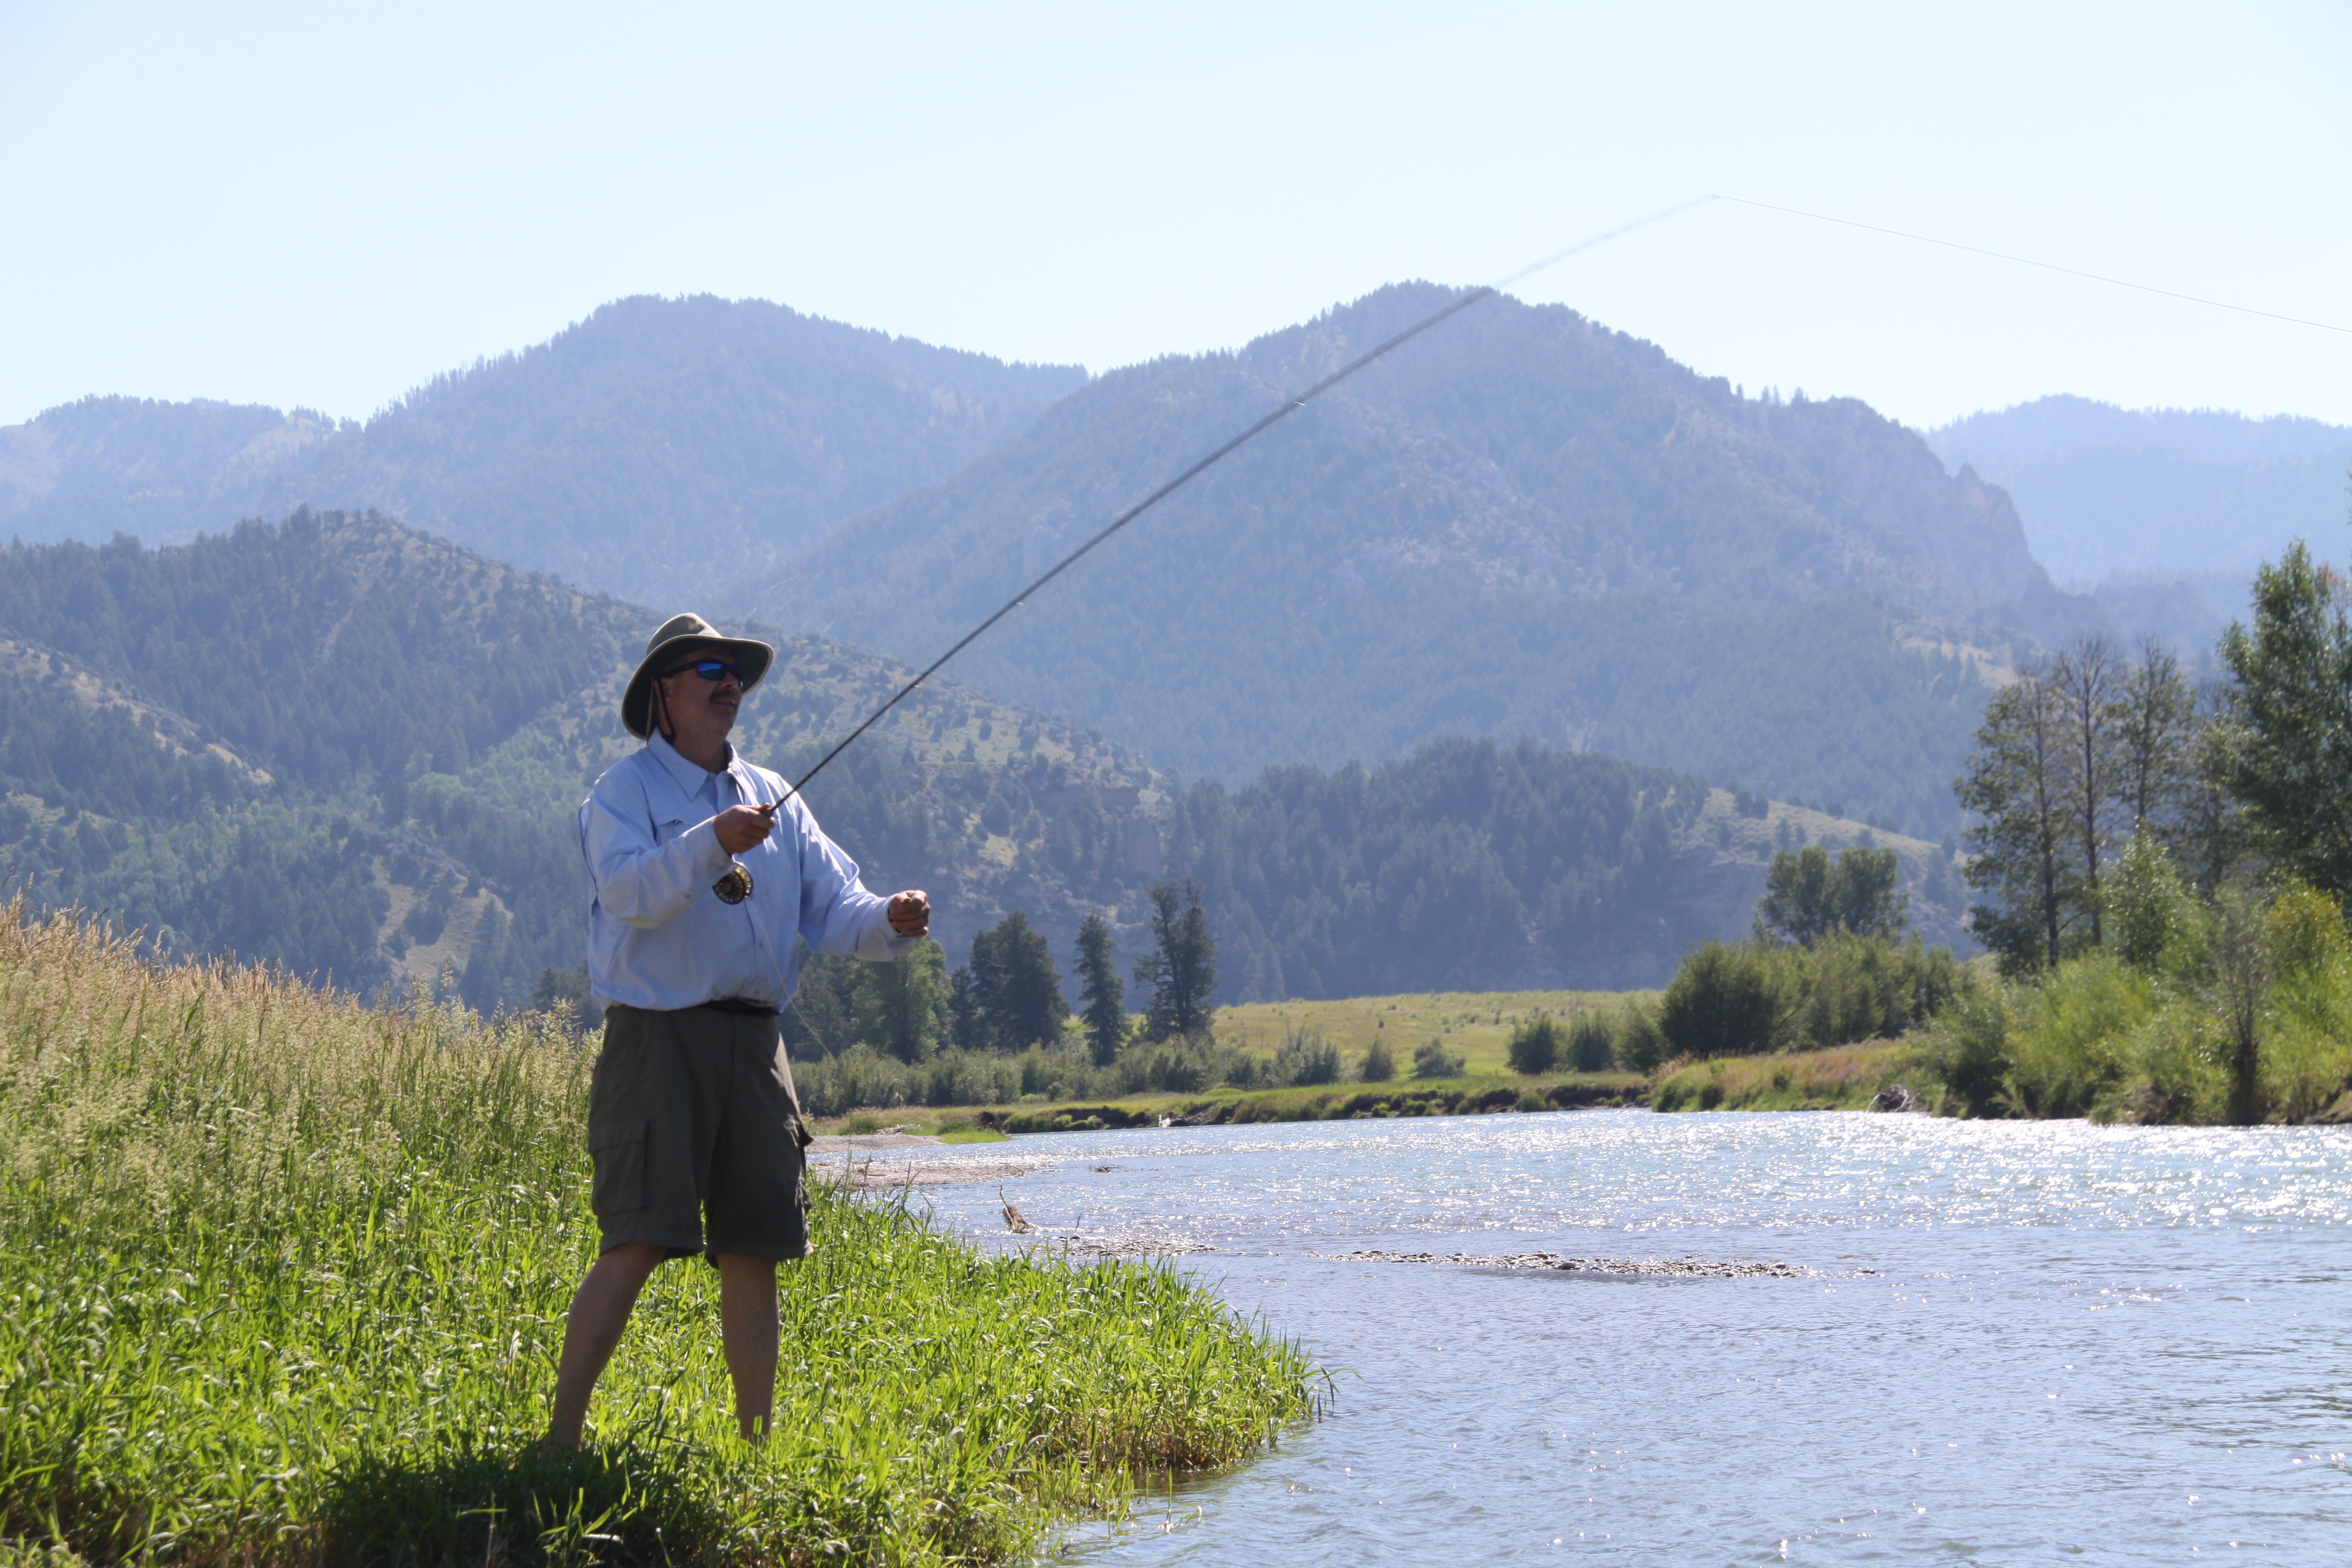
2004 1342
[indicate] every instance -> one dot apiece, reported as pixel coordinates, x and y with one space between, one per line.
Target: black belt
735 1006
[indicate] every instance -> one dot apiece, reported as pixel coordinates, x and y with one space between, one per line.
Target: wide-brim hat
668 647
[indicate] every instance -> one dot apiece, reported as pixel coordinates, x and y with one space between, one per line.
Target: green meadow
282 1279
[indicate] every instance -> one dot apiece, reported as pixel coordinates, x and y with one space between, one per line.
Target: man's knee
631 1258
745 1269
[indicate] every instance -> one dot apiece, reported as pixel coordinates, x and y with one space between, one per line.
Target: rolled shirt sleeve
639 881
837 914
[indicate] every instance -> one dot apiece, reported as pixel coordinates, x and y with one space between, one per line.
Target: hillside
354 749
2155 492
1523 524
650 449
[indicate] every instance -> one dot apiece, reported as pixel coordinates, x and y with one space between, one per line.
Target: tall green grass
282 1279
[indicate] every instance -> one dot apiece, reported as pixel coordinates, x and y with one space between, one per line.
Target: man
704 874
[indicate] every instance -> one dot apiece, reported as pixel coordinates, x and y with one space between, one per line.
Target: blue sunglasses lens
714 669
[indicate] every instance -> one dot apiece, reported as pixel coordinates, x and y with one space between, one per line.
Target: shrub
1641 1044
1431 1059
1724 1001
1968 1047
1530 1100
1535 1046
1379 1065
1592 1047
2071 1042
1306 1057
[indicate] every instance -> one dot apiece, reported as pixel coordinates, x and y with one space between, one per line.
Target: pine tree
1015 991
1181 972
1100 989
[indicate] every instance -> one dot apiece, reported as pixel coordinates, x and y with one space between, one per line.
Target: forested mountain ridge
355 750
634 452
1523 523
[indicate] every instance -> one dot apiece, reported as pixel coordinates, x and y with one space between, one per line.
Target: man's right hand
740 828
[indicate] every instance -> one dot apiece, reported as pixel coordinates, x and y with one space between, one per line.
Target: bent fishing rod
1284 410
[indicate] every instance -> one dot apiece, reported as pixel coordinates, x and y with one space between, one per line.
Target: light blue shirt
660 938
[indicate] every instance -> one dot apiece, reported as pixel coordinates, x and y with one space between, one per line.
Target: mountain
653 448
2156 494
354 749
1523 524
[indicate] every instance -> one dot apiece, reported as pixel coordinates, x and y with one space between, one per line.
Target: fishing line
1485 291
2028 261
1290 405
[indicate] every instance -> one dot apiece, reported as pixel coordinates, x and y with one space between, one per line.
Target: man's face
702 711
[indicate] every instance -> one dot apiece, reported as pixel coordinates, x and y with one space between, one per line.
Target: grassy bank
282 1279
1473 1024
1844 1078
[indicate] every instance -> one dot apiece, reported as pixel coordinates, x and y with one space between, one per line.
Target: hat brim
751 656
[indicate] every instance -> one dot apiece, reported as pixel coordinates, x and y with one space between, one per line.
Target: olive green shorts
696 1135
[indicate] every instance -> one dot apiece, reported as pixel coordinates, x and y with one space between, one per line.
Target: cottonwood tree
1101 990
2210 828
2084 677
2155 726
1807 896
2287 752
2018 787
1181 970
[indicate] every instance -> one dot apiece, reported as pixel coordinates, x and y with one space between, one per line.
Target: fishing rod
1288 406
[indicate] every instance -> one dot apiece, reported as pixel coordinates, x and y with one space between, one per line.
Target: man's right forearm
648 887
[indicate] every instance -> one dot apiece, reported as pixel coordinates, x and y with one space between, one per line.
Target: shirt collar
691 775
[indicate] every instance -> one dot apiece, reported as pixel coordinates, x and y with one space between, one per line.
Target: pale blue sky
326 204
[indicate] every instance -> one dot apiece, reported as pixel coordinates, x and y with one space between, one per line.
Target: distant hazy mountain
651 450
2152 494
1522 524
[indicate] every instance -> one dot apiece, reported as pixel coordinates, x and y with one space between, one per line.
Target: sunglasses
713 669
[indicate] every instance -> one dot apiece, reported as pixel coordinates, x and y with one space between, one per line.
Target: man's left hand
910 912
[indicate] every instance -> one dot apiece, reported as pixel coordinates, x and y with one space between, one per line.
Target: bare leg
747 1331
600 1310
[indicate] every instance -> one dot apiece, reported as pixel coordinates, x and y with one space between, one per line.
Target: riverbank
1882 1075
282 1279
1467 1096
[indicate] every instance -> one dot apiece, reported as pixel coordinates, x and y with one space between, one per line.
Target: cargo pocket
617 1151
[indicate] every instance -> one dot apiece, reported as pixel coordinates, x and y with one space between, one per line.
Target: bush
1431 1059
1592 1047
1724 1001
1535 1046
1530 1100
1379 1065
1968 1047
1641 1044
1306 1057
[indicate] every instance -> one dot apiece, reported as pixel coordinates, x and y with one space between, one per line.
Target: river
2002 1343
